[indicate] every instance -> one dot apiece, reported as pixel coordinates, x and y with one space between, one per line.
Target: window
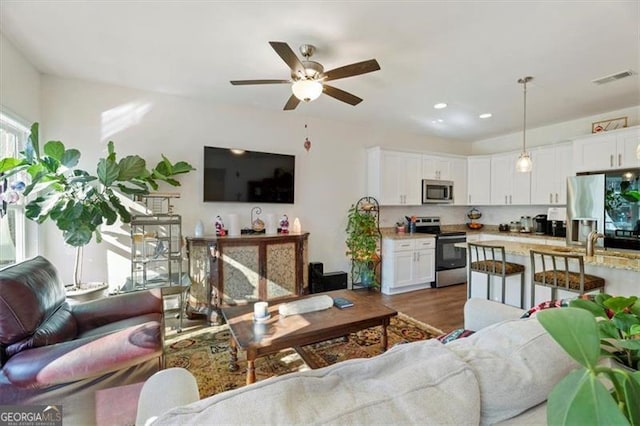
13 138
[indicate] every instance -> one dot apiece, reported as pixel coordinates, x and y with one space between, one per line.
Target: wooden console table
238 270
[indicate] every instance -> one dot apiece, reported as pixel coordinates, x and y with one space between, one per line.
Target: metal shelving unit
156 249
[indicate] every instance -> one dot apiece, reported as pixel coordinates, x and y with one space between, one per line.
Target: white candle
260 309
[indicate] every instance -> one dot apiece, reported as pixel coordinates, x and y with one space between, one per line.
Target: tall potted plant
582 397
77 201
362 245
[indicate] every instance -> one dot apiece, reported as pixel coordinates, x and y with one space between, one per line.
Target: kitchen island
620 270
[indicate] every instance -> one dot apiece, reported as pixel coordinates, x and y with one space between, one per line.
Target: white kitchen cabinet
551 167
407 264
394 178
479 180
435 168
615 149
448 168
508 186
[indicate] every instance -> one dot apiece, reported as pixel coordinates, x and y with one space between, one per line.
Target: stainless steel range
451 261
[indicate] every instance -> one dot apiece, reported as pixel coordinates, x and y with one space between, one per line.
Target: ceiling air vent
613 77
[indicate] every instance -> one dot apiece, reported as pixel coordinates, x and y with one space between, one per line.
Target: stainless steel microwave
437 191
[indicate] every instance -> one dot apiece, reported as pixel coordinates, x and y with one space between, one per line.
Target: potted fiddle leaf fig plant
583 397
362 246
77 201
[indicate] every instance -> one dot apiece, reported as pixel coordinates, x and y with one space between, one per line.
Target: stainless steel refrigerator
585 208
608 203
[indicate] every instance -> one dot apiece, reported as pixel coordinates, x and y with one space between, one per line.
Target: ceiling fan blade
292 103
353 69
341 95
287 55
246 82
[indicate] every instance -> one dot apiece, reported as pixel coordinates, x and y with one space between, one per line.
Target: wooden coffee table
275 334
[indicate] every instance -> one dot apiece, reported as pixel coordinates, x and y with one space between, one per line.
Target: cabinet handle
417 257
556 198
619 160
550 198
611 160
510 202
469 198
505 199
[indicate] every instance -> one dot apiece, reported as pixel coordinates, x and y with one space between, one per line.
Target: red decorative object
307 144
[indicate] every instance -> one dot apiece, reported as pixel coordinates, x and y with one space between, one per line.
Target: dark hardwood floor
439 307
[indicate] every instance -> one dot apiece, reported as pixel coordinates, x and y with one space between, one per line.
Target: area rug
205 353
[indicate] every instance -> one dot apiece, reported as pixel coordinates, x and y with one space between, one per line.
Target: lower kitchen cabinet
407 264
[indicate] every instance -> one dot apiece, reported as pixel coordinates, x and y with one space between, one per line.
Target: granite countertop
606 258
486 229
390 233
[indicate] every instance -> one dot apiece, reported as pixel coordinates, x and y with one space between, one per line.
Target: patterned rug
205 353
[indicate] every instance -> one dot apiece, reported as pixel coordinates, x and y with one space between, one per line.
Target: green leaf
619 303
33 147
54 149
594 308
608 330
10 163
109 214
624 321
111 151
125 216
581 399
576 331
79 237
628 390
108 172
634 330
132 191
633 344
131 167
182 167
50 163
70 158
32 210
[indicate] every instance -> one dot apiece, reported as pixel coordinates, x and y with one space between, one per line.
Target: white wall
329 178
19 84
554 133
20 100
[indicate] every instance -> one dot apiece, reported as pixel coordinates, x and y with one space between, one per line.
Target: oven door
448 256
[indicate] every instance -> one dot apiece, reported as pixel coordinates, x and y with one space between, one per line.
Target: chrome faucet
591 242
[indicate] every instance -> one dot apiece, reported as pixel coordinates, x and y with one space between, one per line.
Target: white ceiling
467 54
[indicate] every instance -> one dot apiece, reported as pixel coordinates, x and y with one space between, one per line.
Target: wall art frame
606 125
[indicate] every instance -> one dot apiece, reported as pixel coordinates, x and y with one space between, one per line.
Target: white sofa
502 373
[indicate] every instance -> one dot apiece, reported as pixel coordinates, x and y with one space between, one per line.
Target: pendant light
524 163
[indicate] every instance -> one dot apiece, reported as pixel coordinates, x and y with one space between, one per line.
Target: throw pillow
454 335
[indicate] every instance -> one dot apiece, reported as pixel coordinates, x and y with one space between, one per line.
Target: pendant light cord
524 82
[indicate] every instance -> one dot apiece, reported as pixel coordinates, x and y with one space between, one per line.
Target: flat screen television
235 175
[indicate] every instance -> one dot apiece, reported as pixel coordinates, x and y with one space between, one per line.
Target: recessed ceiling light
485 115
439 120
440 105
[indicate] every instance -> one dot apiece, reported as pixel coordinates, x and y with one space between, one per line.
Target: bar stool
562 271
490 260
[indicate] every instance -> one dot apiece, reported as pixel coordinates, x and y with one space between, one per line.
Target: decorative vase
199 229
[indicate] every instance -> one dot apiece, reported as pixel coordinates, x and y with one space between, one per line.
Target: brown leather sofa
54 352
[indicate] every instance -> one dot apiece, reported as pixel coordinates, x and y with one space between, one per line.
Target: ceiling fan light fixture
307 90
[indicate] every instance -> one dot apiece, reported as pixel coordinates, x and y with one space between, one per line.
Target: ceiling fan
308 77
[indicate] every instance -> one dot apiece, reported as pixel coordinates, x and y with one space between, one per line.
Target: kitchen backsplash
451 215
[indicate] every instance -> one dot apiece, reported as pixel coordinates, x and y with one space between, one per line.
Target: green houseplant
583 397
77 201
362 245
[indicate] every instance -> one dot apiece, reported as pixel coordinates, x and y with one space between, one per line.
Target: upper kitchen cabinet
435 168
509 187
551 167
394 178
448 168
615 149
479 180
